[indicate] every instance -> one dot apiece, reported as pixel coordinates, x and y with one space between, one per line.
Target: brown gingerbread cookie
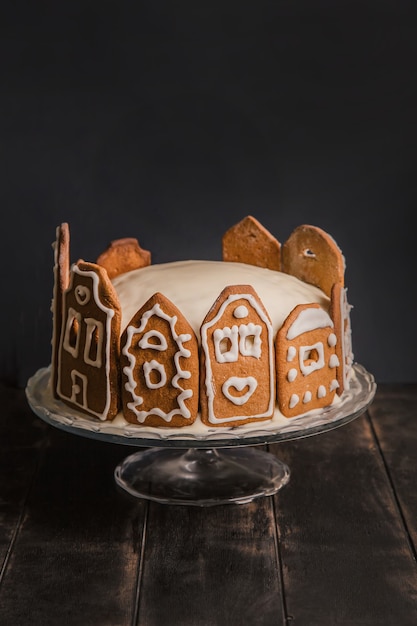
237 380
313 256
340 314
249 242
306 361
123 255
88 366
159 361
61 248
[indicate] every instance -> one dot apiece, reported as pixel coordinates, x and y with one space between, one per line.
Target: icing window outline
244 339
154 366
309 364
161 343
226 337
247 346
93 342
71 341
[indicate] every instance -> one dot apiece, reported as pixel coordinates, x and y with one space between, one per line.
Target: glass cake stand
196 466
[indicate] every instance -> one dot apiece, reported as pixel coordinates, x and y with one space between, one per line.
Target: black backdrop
171 121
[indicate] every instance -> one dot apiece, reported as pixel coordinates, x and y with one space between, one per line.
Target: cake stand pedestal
201 468
200 476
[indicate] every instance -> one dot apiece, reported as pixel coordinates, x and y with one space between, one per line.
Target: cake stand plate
199 466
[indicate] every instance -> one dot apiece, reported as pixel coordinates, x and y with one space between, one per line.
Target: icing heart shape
82 294
239 383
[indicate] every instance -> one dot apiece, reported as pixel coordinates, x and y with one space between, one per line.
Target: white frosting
193 286
309 319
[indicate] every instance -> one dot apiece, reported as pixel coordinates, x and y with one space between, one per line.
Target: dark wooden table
336 546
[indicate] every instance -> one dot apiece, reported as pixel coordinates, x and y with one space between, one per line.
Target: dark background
171 121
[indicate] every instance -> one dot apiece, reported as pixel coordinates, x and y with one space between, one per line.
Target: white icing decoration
151 366
94 327
160 344
333 361
79 384
237 340
130 385
82 294
291 352
241 311
214 419
332 340
321 391
334 385
309 253
292 374
307 397
305 355
250 348
347 354
229 337
239 383
307 320
294 400
72 317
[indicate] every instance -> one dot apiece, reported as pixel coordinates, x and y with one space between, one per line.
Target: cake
222 343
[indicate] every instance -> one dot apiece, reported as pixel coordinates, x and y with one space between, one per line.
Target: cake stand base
201 477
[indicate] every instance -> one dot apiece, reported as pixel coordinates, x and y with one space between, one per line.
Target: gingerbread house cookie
250 242
306 360
313 256
123 255
61 248
88 368
237 381
159 361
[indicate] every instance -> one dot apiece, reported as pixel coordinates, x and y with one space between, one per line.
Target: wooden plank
76 557
21 439
394 419
211 566
345 555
